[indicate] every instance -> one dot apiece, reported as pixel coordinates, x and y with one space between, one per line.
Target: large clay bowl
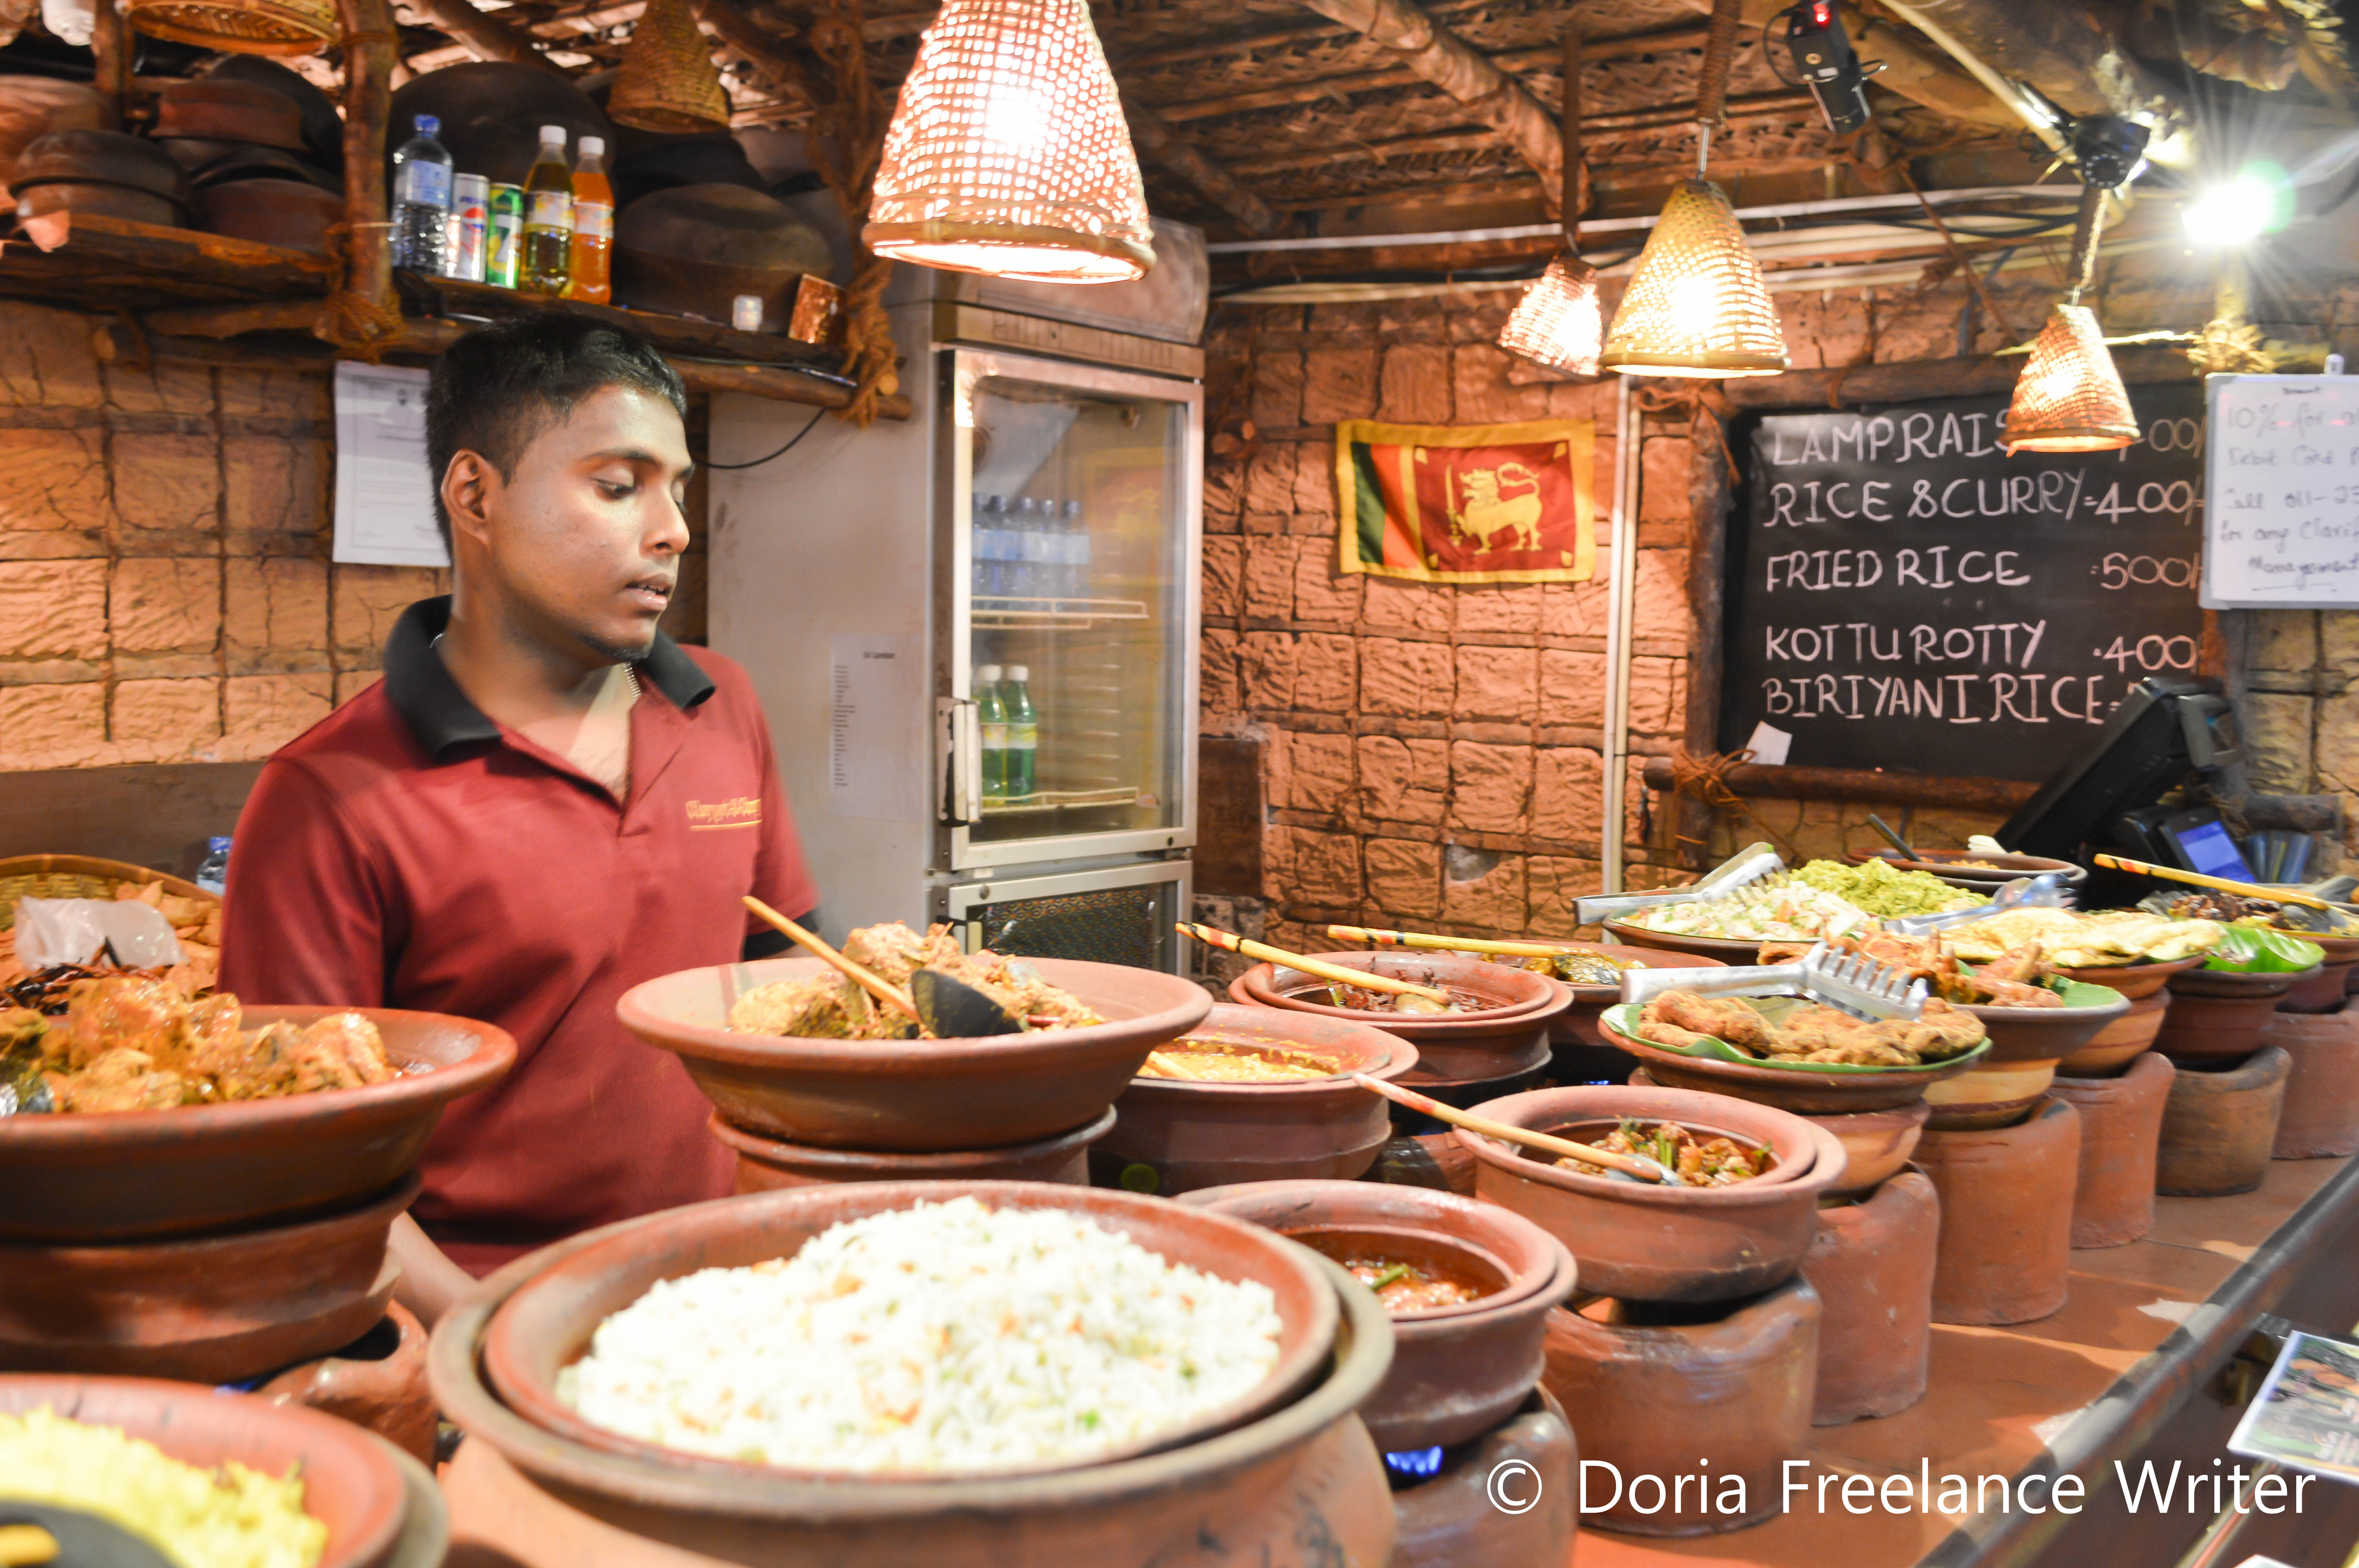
547 1323
129 1175
2323 991
1509 1034
1790 1088
1580 1025
2133 980
351 1481
2111 1047
1645 1242
2026 1043
1876 1143
2217 1015
765 1164
213 1309
1179 1136
1726 950
913 1096
1943 863
1304 1479
1458 1371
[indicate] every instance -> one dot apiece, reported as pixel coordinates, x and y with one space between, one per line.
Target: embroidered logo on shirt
705 816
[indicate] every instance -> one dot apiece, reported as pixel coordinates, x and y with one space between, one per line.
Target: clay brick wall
2300 710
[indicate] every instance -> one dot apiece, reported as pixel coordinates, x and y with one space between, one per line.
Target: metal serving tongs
1845 981
2046 890
1748 866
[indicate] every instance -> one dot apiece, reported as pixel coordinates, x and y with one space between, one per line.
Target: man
545 802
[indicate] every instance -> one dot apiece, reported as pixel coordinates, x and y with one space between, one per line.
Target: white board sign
2281 488
384 496
877 696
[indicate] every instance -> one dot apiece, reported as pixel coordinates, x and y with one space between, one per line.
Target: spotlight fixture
2255 200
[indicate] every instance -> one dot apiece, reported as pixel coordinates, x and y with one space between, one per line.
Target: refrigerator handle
960 737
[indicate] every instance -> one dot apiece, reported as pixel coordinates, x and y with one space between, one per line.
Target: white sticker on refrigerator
876 726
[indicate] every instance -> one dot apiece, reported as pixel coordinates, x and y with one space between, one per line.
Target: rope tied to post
1704 780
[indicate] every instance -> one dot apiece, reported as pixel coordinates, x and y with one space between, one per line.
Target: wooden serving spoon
1335 974
874 985
1637 1165
2221 884
1425 942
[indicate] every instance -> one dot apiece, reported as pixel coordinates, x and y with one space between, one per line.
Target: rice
944 1336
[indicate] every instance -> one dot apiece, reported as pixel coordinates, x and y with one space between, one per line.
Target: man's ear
469 487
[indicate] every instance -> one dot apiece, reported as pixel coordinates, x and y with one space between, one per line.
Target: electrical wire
817 415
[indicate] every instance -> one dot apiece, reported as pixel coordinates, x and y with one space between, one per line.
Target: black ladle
952 1009
1895 839
83 1539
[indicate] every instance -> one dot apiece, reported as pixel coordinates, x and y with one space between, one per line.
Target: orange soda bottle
594 226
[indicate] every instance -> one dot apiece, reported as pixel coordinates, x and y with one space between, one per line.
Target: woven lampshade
1696 306
1007 153
240 26
2069 397
1559 322
667 81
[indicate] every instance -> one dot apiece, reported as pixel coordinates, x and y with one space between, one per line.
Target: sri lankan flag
1478 504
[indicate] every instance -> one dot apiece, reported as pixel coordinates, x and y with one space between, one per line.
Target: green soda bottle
504 244
994 732
1023 734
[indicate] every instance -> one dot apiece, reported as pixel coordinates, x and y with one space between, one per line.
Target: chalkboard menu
1904 595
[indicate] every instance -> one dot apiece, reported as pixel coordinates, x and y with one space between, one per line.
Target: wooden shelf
672 334
109 264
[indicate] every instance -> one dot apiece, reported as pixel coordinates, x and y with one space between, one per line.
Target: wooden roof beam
1158 141
484 35
1448 61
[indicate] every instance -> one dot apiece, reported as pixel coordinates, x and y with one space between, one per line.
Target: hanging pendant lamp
2069 397
1007 153
1560 321
666 82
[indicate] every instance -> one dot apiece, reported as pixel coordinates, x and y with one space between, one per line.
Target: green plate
1623 1019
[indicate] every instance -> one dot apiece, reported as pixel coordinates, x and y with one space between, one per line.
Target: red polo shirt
407 851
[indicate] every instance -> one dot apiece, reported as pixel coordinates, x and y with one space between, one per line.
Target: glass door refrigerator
975 634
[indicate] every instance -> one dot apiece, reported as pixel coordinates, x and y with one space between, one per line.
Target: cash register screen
2207 848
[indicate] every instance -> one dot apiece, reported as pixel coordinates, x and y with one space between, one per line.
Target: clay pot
1300 1487
379 1382
692 249
2007 1222
1508 1034
1453 1520
2121 1129
1791 1089
1457 1372
1655 1400
913 1096
1185 1136
103 199
1944 864
218 1309
2320 1119
2133 980
1876 1143
2217 1015
2323 991
1647 1242
1579 1025
141 1173
288 213
1727 950
1872 1265
547 1321
2219 1124
231 111
2113 1046
2026 1044
352 1483
765 1164
33 106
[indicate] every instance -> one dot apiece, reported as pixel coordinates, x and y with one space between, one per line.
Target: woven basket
240 26
1696 304
77 876
2070 396
1559 321
1008 153
667 82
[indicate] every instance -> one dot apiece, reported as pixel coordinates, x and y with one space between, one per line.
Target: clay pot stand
385 1393
2121 1131
2005 1243
1453 1520
2219 1125
765 1164
2320 1119
1872 1265
2217 1015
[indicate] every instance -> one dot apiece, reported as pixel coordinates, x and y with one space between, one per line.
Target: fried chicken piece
119 1079
216 1046
820 1008
1940 1031
1824 1034
341 1051
1723 1018
2016 966
21 1029
119 1012
2007 993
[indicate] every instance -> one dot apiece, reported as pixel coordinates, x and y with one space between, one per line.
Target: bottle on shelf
1053 582
212 875
993 712
504 236
548 241
1077 552
990 567
421 198
469 226
1023 548
594 227
1017 772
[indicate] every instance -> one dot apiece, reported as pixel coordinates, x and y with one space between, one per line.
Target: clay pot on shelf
2121 1133
2323 991
1457 1372
2026 1044
2320 1119
2133 980
2219 1124
378 1382
1790 1089
1727 950
1876 1143
1452 1520
228 110
1578 1024
1872 1266
2006 1216
1508 1034
2126 1037
99 171
291 214
1648 1242
1658 1391
765 1164
2217 1015
1176 1137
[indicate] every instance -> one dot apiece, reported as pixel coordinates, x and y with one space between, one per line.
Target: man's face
584 536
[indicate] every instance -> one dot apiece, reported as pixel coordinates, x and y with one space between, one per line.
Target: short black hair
495 389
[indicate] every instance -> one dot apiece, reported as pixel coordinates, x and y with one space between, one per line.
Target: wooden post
366 310
110 48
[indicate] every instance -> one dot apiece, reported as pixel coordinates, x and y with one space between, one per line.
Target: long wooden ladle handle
1604 1158
1333 973
2250 890
1424 942
875 986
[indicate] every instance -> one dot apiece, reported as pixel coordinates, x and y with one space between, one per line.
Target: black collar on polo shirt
421 690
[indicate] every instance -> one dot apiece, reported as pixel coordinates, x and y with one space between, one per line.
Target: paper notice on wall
384 496
1769 745
877 725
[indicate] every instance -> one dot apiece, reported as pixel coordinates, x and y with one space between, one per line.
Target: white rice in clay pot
944 1336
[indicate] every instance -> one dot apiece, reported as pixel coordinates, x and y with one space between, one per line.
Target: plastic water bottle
1054 582
1017 771
1077 552
994 730
421 199
1023 551
990 569
213 875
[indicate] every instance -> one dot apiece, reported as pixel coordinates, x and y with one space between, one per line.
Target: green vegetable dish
2245 949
